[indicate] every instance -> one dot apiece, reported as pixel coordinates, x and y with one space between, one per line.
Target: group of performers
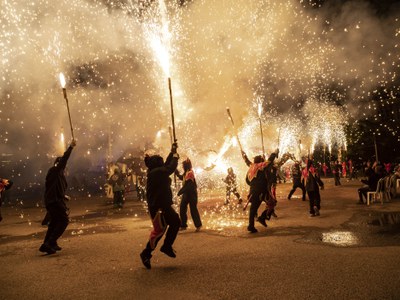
261 178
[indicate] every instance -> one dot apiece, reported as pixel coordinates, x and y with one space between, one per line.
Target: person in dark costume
297 181
54 198
159 201
371 183
117 181
273 179
231 187
260 188
336 172
5 184
189 196
313 182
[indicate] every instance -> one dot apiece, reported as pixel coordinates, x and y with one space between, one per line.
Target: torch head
62 80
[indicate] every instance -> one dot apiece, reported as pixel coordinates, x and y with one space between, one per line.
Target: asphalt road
350 252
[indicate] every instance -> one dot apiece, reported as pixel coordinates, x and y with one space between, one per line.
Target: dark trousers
297 184
118 198
233 190
171 219
58 222
315 200
362 193
270 209
255 200
337 179
193 211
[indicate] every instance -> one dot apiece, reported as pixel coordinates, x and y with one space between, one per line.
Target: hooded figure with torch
54 198
159 199
260 185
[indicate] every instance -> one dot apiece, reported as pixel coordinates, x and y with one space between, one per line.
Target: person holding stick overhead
159 201
54 198
260 188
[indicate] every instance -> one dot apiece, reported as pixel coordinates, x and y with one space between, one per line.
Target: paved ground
350 252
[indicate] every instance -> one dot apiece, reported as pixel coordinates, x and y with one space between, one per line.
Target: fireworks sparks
307 73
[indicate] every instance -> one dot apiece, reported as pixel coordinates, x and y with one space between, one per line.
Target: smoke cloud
301 62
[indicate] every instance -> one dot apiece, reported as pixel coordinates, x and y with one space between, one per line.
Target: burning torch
172 109
261 129
173 136
233 124
63 83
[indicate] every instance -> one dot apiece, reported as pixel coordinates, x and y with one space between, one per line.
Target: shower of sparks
309 73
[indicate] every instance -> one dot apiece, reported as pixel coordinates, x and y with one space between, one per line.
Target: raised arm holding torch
233 124
63 83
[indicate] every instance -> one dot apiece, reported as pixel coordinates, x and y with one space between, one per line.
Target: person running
297 181
159 201
189 196
54 198
260 188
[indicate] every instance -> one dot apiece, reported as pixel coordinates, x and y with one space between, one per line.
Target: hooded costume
159 201
189 196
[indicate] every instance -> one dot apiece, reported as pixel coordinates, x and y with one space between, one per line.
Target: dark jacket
56 184
313 182
257 176
189 188
372 180
296 174
158 186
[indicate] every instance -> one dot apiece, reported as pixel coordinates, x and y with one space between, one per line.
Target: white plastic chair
378 194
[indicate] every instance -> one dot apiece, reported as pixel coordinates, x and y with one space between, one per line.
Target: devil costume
312 183
297 181
260 189
189 196
159 200
231 186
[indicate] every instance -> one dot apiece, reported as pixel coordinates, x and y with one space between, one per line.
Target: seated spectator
371 183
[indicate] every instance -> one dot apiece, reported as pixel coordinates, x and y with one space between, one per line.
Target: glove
174 148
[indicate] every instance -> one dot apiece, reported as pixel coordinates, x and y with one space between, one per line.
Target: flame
259 109
215 161
62 80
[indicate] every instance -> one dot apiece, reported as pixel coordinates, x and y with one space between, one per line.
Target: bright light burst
308 72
